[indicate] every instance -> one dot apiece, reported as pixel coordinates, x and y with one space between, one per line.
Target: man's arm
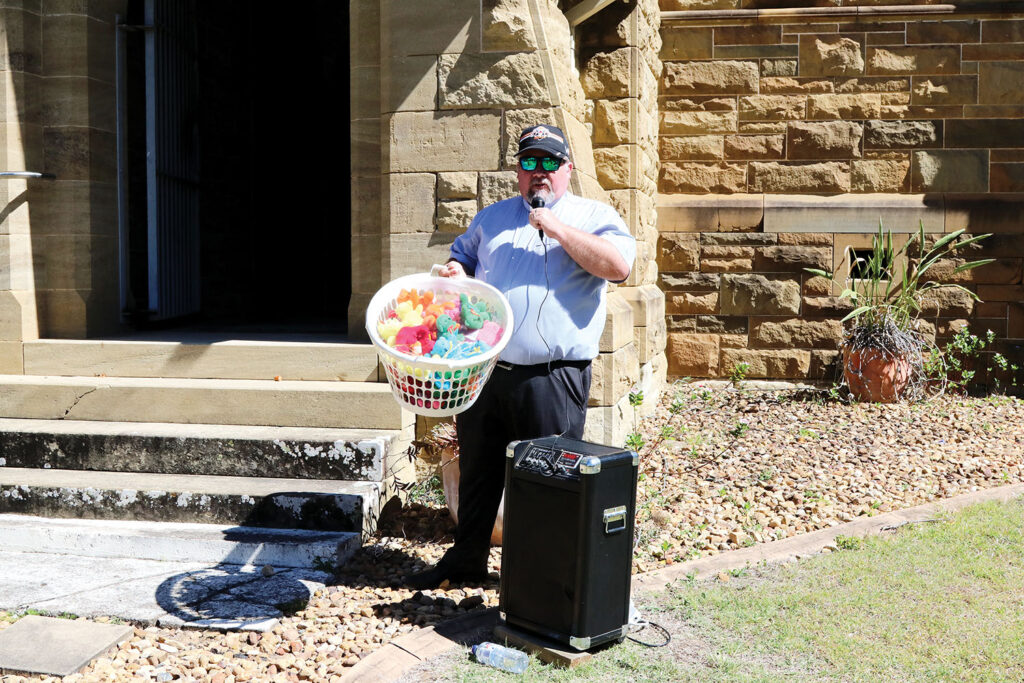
594 254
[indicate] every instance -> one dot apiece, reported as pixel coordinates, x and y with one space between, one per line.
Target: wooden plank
547 650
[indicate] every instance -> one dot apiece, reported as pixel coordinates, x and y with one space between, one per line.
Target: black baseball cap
544 137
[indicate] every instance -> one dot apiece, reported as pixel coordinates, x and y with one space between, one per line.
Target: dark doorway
272 124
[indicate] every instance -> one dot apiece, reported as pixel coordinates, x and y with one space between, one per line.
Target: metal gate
172 159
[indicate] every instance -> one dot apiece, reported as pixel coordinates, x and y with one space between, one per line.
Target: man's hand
452 269
544 219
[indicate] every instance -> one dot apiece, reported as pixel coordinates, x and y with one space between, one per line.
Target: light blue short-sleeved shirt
504 250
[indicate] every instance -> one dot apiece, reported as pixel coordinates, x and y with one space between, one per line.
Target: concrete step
177 542
203 357
314 504
360 405
225 450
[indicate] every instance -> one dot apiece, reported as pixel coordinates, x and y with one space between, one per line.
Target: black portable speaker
567 540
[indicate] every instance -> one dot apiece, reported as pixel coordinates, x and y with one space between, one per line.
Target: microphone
537 202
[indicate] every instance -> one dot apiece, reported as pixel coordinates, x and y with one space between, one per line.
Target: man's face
550 185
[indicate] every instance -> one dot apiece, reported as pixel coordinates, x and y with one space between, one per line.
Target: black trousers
518 402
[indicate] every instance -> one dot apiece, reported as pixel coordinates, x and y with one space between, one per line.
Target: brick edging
401 654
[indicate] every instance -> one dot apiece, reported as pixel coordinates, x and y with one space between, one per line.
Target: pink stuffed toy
490 333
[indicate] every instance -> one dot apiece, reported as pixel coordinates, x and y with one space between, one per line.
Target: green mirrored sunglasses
546 163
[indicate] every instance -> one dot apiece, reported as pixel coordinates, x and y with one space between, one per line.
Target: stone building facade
741 140
788 133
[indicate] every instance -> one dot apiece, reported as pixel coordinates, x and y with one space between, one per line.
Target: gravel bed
721 468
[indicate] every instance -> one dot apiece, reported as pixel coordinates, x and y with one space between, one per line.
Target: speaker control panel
549 462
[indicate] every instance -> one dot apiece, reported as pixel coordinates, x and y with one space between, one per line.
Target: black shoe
436 575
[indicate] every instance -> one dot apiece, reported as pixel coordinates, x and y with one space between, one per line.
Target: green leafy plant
739 372
886 288
958 363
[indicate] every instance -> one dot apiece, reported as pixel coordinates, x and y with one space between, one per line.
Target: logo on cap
539 133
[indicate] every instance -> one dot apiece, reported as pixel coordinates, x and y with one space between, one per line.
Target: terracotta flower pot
450 484
875 376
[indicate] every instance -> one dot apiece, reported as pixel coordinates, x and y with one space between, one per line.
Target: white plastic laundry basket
436 386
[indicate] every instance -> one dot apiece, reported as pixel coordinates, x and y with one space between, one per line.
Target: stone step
177 542
225 450
203 357
360 405
315 504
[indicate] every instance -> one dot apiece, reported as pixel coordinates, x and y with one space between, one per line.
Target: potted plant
883 345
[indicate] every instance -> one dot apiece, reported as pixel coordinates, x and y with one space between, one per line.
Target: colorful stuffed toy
473 315
490 333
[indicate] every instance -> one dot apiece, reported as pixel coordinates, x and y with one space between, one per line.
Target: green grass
932 602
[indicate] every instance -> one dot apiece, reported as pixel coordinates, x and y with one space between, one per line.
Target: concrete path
207 576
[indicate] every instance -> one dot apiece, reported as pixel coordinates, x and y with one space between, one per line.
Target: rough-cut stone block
975 133
805 239
880 175
495 186
678 252
943 90
711 324
702 103
772 108
697 122
692 355
607 74
481 81
614 120
902 134
1002 271
612 375
759 295
947 302
950 171
455 216
773 68
684 42
616 166
933 59
821 306
943 32
794 177
691 147
754 146
795 86
757 52
456 185
691 303
702 178
436 141
618 327
691 282
799 333
1006 177
823 55
768 364
507 26
873 84
710 78
791 259
825 140
825 365
844 107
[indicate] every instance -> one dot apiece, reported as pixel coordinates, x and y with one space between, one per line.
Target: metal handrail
27 174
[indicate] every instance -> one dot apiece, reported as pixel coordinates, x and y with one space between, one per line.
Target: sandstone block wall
787 134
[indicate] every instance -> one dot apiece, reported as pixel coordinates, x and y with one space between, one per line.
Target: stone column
74 218
619 48
366 188
21 149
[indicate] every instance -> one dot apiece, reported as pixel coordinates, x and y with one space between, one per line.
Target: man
556 285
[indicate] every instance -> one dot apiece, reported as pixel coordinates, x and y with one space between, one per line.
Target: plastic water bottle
504 658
